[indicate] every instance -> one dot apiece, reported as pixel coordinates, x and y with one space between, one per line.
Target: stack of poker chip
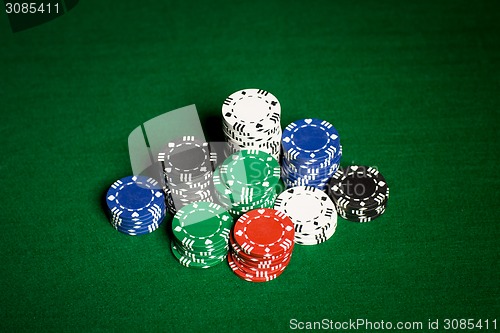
251 120
312 212
136 205
261 245
360 193
188 165
311 153
246 180
201 232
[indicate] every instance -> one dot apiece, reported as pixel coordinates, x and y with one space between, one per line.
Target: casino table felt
411 87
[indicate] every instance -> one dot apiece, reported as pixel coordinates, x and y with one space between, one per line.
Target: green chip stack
247 180
201 232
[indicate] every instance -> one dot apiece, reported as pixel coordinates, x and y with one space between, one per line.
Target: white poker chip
251 109
312 212
251 120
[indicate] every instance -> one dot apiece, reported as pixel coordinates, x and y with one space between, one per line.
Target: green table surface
413 88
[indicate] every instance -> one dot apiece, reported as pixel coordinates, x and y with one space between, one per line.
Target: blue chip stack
311 153
136 205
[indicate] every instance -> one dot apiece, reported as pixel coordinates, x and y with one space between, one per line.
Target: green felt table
412 87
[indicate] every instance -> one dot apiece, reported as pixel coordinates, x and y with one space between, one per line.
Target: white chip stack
251 120
313 214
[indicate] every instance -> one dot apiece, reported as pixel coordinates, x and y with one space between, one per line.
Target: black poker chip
367 212
361 219
188 165
360 193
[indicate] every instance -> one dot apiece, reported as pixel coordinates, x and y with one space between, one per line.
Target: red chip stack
262 242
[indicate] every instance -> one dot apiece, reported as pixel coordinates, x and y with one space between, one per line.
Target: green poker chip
250 173
195 263
202 225
209 253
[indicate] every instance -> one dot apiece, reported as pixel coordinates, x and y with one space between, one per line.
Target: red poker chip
250 277
262 271
258 274
260 262
264 260
265 265
264 232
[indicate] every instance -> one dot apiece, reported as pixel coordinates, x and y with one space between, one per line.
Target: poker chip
360 193
186 159
247 180
137 232
254 276
250 171
194 262
259 262
362 218
136 205
312 212
321 184
259 269
201 232
311 153
209 254
367 213
261 245
264 232
264 195
251 120
310 139
318 237
188 165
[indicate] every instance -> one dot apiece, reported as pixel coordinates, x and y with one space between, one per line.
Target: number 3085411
31 8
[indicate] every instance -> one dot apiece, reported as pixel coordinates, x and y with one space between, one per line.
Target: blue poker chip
314 162
307 168
138 232
306 179
293 170
311 153
310 139
151 211
141 227
138 229
320 184
306 182
134 197
154 212
137 226
144 222
301 167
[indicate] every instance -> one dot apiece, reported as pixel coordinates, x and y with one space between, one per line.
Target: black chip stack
188 165
360 193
